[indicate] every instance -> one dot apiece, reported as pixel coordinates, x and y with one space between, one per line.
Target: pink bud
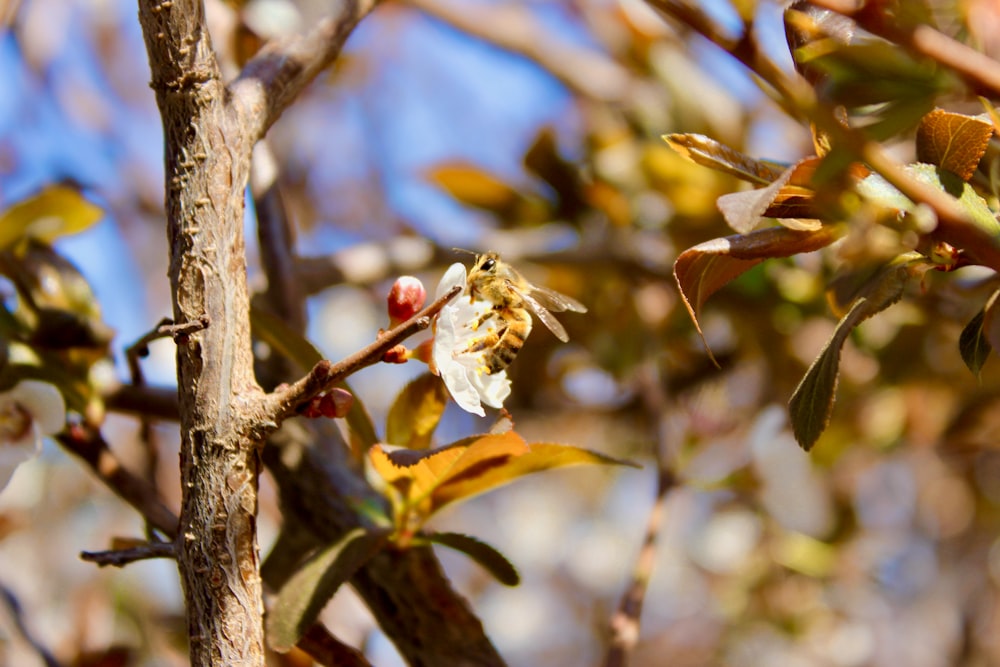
336 403
406 298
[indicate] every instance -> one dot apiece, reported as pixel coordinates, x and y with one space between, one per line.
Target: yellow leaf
416 412
56 211
540 456
471 185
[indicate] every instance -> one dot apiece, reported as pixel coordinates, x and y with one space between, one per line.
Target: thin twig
283 402
514 28
122 557
981 72
17 616
625 623
274 236
133 353
157 402
274 77
88 444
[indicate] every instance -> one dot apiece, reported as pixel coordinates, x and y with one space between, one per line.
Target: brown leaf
710 153
953 141
704 269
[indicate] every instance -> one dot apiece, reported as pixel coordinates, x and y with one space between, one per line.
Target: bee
513 299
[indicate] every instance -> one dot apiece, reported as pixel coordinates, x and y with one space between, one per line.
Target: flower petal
42 401
15 452
455 275
462 371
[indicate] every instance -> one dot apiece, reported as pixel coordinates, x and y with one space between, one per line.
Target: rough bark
206 172
209 132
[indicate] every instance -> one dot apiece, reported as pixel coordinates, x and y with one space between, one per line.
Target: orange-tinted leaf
704 269
788 196
953 141
416 412
56 211
471 185
710 153
418 474
430 480
541 456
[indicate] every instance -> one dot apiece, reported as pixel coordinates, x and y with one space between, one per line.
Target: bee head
487 263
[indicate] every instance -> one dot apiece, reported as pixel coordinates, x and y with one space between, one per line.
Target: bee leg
485 342
481 320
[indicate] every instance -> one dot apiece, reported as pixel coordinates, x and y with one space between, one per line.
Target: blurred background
533 128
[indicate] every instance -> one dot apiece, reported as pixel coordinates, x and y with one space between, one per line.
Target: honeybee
513 299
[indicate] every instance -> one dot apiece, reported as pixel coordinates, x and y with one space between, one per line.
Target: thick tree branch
281 70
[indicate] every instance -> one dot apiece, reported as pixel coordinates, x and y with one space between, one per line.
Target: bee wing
547 318
556 301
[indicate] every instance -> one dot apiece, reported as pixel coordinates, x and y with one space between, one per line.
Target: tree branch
625 622
88 444
980 71
954 226
274 77
122 557
284 401
514 28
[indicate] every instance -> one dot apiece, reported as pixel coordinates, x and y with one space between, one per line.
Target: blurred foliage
879 547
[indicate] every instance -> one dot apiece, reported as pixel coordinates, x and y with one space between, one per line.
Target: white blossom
463 372
29 411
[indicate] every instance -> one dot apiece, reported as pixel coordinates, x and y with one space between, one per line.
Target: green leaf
704 269
877 189
877 79
56 211
305 594
489 558
812 402
973 344
416 412
953 141
296 347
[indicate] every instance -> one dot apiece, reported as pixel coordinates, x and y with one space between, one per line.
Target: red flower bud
406 298
333 404
396 355
336 403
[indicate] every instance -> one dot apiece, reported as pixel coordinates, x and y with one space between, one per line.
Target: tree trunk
207 163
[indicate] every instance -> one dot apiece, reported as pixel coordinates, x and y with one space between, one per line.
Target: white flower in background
29 411
468 384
